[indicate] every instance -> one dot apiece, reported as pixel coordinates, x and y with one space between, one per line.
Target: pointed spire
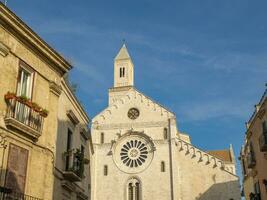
123 53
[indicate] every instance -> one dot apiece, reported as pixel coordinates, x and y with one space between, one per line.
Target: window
122 72
105 170
82 149
165 133
257 190
162 166
133 190
264 127
102 138
24 86
243 166
69 144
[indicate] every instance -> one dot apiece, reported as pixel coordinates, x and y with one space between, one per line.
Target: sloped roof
224 155
123 53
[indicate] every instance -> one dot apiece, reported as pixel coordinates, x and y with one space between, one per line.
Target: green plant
36 107
23 98
44 112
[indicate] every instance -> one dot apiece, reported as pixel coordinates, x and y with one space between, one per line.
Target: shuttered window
16 168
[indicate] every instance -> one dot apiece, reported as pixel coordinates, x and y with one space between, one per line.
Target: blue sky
205 60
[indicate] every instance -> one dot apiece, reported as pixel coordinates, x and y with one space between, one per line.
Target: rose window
134 153
133 113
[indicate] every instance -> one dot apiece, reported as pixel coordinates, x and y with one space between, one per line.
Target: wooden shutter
16 168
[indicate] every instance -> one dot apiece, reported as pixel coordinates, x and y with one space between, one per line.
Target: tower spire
123 68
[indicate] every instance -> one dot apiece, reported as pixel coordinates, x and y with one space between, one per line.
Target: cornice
24 33
130 125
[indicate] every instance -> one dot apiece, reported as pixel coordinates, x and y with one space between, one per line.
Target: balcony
251 161
263 142
74 160
23 117
8 194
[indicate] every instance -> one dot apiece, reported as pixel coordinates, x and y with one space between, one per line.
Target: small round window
133 113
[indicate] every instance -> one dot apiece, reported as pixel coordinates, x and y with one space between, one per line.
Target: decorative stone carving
133 152
4 50
55 88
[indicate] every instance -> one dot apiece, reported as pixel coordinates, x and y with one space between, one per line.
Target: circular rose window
133 113
133 153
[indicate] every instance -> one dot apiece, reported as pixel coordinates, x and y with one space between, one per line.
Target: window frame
26 68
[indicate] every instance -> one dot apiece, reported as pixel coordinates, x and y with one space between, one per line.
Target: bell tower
123 69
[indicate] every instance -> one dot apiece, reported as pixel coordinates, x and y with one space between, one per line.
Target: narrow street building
253 155
44 135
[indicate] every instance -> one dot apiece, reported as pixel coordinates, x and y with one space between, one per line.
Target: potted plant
36 107
44 112
23 98
10 95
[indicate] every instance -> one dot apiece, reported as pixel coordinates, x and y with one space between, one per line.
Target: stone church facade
139 153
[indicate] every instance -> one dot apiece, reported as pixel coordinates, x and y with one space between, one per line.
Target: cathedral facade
141 155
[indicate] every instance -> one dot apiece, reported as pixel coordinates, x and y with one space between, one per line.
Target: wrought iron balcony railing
8 194
24 118
251 161
263 142
74 165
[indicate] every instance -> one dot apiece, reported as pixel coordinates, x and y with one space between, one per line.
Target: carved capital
4 50
55 88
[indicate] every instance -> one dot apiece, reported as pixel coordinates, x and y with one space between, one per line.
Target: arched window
165 133
105 170
122 72
162 166
133 189
102 138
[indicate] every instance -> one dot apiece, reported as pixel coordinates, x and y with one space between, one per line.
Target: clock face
133 113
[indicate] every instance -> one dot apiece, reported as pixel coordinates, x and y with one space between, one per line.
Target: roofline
253 116
76 101
14 23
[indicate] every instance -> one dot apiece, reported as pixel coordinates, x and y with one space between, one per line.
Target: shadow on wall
222 191
11 184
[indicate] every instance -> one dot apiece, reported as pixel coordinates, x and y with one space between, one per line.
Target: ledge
71 176
11 122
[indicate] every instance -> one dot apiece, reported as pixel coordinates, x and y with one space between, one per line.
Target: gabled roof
123 53
224 155
133 93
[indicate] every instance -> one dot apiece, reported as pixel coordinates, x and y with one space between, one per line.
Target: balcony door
24 88
16 168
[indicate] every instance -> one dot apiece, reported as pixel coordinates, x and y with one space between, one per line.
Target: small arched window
122 72
162 166
165 133
102 138
105 170
133 189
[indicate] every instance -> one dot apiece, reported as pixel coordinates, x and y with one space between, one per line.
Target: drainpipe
170 153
